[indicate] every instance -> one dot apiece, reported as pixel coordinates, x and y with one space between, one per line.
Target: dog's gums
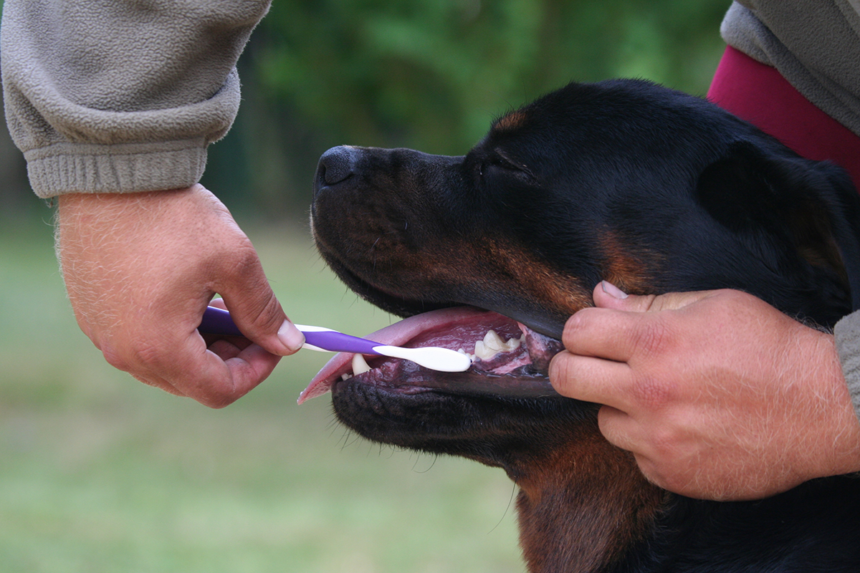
510 359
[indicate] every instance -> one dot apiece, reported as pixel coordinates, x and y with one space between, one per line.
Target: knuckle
114 358
577 323
211 392
561 373
269 317
261 314
147 354
664 475
665 441
652 393
217 401
653 337
650 470
242 258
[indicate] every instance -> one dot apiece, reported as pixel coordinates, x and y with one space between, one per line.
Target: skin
140 269
717 394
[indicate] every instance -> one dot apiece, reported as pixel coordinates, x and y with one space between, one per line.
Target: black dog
651 189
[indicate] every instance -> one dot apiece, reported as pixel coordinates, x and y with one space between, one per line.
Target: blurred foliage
432 74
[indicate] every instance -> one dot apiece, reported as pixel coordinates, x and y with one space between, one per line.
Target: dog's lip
398 334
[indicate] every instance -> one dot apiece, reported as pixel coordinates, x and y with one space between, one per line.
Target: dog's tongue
397 334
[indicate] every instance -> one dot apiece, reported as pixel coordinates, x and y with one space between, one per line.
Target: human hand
717 394
140 269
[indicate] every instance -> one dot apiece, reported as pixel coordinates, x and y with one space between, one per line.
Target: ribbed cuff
847 334
122 168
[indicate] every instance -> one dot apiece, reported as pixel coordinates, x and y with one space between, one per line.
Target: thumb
256 311
607 295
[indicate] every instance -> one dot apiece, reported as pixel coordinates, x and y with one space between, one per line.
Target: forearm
110 97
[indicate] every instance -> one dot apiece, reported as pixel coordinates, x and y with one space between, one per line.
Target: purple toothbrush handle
218 321
339 342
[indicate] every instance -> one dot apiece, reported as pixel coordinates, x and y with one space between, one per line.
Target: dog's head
651 189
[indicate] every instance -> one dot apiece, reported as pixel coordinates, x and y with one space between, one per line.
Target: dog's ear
813 204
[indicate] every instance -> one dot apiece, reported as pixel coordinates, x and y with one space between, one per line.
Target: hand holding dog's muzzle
717 394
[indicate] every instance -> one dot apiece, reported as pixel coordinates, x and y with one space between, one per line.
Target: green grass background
100 473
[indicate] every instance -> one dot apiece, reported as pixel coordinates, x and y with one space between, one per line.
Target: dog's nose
335 165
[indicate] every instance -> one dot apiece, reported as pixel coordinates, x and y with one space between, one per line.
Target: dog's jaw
582 505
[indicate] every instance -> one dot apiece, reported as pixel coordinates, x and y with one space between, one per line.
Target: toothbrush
218 321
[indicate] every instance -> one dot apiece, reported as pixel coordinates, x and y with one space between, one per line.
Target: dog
653 190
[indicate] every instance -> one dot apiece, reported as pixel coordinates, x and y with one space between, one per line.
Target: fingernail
291 336
612 290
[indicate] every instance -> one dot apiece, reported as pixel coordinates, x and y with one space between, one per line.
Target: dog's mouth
508 358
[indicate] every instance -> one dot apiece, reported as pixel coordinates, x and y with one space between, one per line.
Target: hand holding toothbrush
140 269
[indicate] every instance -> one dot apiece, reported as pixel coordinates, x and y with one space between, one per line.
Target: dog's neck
581 509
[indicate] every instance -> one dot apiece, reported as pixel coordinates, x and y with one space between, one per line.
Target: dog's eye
507 165
500 165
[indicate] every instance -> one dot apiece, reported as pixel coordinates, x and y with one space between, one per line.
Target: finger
607 295
611 334
157 382
592 380
250 367
220 375
184 366
255 308
227 349
626 433
621 430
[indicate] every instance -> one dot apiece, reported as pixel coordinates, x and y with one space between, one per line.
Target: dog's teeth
464 353
359 365
344 376
493 344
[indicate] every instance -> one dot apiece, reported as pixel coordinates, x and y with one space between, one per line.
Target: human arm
717 394
110 100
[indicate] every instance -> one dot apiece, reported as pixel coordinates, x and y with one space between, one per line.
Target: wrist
839 439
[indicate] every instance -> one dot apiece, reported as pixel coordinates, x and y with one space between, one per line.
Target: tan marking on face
587 498
623 268
506 267
511 121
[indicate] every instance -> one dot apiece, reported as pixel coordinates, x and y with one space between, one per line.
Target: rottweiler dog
651 189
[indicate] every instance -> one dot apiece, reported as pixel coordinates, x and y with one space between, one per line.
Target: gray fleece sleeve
815 45
847 333
121 95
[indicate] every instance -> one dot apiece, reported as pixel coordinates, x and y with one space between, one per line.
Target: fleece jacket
121 95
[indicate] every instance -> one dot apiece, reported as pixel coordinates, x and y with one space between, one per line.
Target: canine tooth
492 341
359 365
493 344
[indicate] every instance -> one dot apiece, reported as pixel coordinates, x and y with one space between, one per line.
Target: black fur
658 191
